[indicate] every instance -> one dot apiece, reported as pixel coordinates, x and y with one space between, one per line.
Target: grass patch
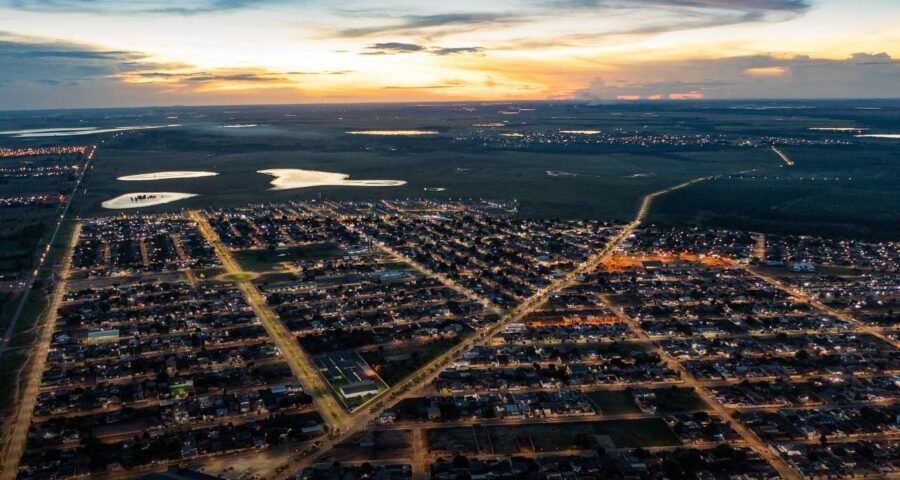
549 437
39 299
208 273
8 302
668 400
35 307
614 402
10 364
646 432
678 399
270 259
394 371
268 278
239 277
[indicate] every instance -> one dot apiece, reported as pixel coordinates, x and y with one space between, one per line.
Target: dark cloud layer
395 48
37 74
456 50
387 48
420 23
862 75
23 61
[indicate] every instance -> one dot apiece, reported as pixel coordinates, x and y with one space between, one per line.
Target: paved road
647 201
787 160
296 358
21 421
426 374
860 326
746 435
11 329
759 246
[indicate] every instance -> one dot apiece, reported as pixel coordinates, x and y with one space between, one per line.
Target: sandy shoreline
289 178
144 199
143 177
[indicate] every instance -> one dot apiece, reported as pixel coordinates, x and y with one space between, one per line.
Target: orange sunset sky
73 53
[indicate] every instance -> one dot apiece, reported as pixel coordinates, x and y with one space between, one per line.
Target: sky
115 53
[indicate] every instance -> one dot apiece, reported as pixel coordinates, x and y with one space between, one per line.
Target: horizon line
644 101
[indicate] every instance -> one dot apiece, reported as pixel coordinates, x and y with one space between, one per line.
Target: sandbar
560 173
144 199
880 135
143 177
393 133
288 178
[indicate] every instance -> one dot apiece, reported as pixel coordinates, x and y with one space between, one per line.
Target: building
803 267
103 335
360 389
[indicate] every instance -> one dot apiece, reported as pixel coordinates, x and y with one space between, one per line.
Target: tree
460 461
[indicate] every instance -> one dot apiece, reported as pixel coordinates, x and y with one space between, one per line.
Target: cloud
234 77
24 60
455 50
36 73
324 72
744 5
645 17
111 7
862 75
651 17
394 48
417 23
390 48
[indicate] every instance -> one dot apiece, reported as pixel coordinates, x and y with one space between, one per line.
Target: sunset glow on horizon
71 53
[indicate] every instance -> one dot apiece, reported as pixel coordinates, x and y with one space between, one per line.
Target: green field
668 400
854 193
614 402
394 372
269 260
678 399
839 192
9 367
549 437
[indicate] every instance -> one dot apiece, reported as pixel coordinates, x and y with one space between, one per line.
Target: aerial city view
405 240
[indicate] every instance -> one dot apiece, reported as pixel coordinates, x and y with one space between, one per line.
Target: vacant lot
549 437
270 259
